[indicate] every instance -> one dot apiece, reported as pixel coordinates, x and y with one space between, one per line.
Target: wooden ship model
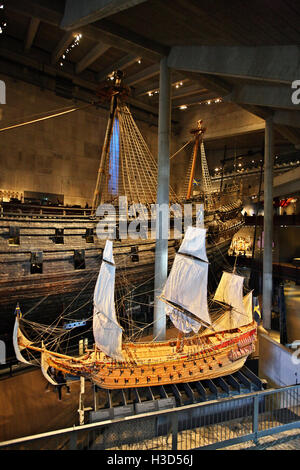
49 254
205 347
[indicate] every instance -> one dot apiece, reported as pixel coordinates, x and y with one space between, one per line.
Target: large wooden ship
207 346
48 254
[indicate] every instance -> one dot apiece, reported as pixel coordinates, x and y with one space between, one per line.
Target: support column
268 224
161 247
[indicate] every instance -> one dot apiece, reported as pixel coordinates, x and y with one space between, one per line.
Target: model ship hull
152 364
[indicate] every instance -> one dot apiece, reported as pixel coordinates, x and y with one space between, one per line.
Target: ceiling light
183 106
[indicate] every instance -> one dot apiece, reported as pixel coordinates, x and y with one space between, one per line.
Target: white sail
248 306
194 243
230 292
106 329
19 337
231 319
186 286
181 321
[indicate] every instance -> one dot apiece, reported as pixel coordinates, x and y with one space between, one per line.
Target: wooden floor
26 408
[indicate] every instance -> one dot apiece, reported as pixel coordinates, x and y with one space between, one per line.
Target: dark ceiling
35 40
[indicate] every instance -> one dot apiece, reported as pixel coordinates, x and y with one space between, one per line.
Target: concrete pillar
268 223
161 247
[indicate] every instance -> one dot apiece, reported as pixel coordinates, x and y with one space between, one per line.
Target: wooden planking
153 364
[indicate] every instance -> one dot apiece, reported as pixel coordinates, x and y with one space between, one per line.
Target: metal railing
206 425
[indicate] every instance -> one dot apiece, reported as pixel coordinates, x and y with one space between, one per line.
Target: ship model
52 253
207 345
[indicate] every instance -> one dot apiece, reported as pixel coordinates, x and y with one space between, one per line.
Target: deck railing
207 425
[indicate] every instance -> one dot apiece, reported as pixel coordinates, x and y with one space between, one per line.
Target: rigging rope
57 114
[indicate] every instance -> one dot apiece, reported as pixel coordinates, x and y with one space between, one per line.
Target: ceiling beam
267 95
287 118
155 87
121 64
210 82
12 50
194 100
183 91
258 111
91 57
130 37
292 135
145 74
31 32
283 121
278 64
79 13
105 31
61 47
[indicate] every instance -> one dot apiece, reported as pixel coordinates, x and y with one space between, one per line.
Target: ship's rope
33 119
138 169
183 147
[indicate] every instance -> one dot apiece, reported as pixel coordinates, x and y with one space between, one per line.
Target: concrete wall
59 155
221 120
287 243
275 363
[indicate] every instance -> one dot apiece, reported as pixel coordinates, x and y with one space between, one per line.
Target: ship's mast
115 92
198 133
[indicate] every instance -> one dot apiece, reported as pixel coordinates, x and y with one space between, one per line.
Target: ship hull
153 364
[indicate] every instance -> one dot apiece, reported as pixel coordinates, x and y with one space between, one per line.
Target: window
59 236
134 254
14 236
89 235
36 262
79 259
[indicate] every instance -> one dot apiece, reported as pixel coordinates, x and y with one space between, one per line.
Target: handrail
181 409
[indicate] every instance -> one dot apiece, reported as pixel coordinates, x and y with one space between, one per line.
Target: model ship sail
106 329
185 291
230 293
